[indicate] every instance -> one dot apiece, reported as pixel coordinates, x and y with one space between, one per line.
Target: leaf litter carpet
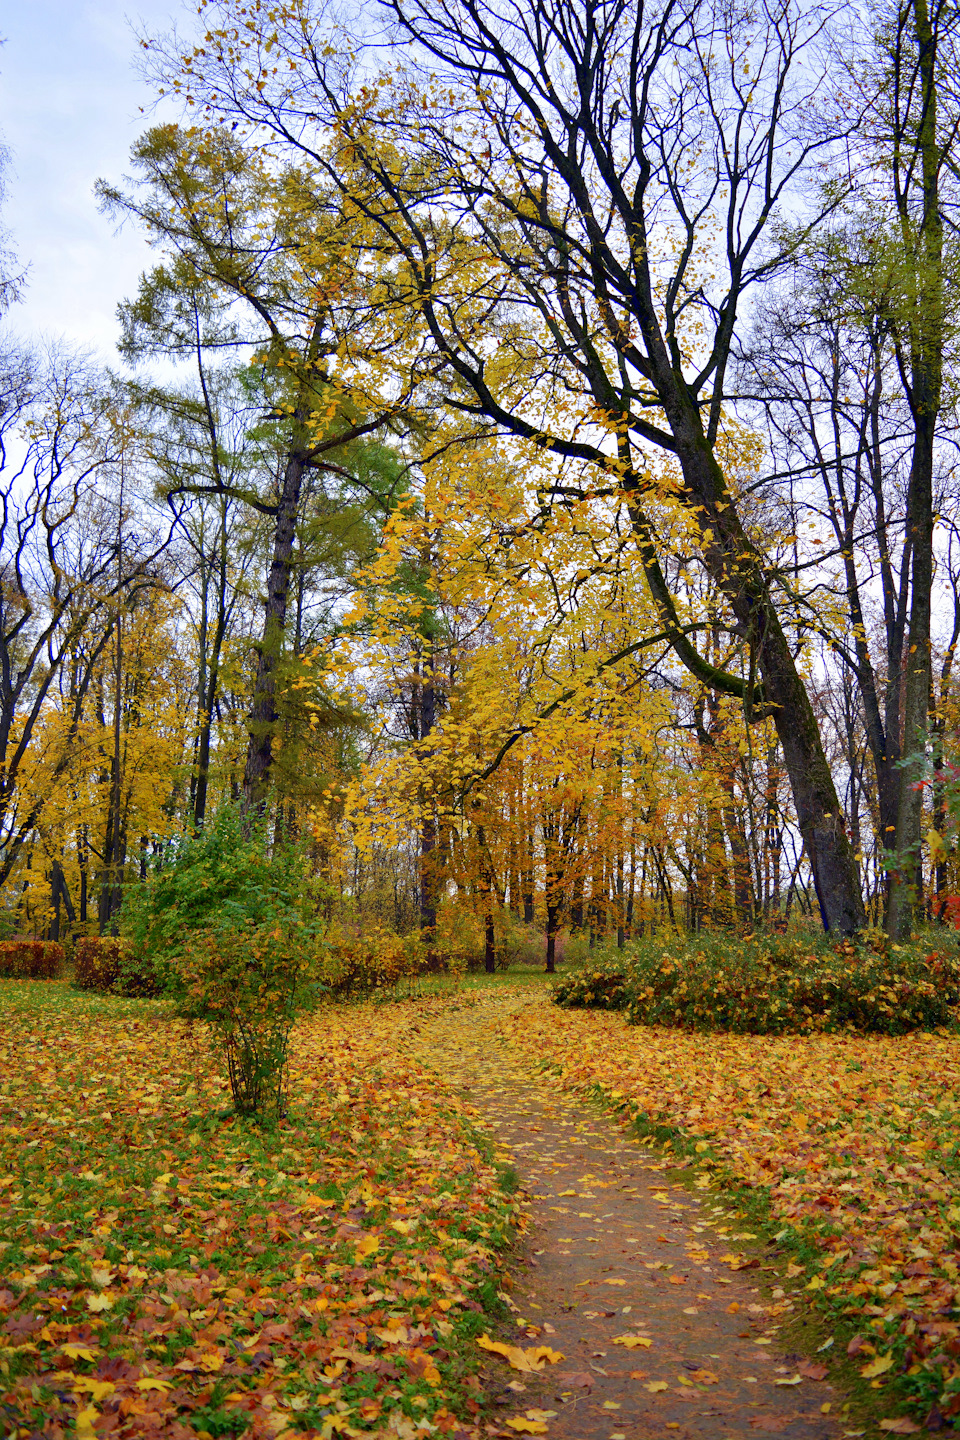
622 1272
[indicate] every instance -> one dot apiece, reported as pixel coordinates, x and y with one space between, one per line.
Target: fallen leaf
84 1421
633 1342
876 1367
528 1360
788 1380
577 1379
903 1425
78 1352
97 1389
655 1386
523 1426
150 1382
811 1370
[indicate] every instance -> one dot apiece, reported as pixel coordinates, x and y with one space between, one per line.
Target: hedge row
30 959
109 965
773 985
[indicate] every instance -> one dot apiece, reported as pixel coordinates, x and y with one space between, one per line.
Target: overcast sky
69 112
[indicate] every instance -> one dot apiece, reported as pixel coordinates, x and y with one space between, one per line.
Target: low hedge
110 966
30 959
771 985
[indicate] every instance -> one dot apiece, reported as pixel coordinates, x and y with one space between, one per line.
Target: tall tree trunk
263 711
428 823
922 374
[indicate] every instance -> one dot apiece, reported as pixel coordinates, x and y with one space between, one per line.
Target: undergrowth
770 984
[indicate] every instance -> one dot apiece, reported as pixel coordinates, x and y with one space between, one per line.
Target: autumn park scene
479 730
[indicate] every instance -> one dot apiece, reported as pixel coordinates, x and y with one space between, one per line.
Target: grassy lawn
166 1265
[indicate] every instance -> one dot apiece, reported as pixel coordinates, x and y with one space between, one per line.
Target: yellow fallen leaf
706 1377
654 1386
102 1277
880 1366
97 1389
99 1302
789 1380
79 1352
817 1283
84 1422
632 1342
611 1405
565 1192
527 1360
523 1426
371 1243
150 1382
614 1282
901 1426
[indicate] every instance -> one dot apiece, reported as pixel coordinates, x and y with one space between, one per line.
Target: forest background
529 491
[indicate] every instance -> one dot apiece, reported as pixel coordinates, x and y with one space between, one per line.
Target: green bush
230 925
225 878
769 985
594 987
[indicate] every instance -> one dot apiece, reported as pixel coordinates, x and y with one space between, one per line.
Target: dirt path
615 1251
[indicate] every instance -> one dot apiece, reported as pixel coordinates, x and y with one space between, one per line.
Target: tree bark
263 712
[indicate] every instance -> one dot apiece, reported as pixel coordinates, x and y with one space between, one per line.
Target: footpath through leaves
623 1286
166 1275
849 1143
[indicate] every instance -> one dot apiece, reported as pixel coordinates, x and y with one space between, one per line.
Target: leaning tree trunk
735 565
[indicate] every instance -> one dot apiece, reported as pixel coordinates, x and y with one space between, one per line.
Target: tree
65 560
261 269
608 179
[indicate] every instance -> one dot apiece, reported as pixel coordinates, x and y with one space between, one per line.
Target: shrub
220 879
109 965
361 961
30 959
774 984
593 988
249 985
97 962
229 925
